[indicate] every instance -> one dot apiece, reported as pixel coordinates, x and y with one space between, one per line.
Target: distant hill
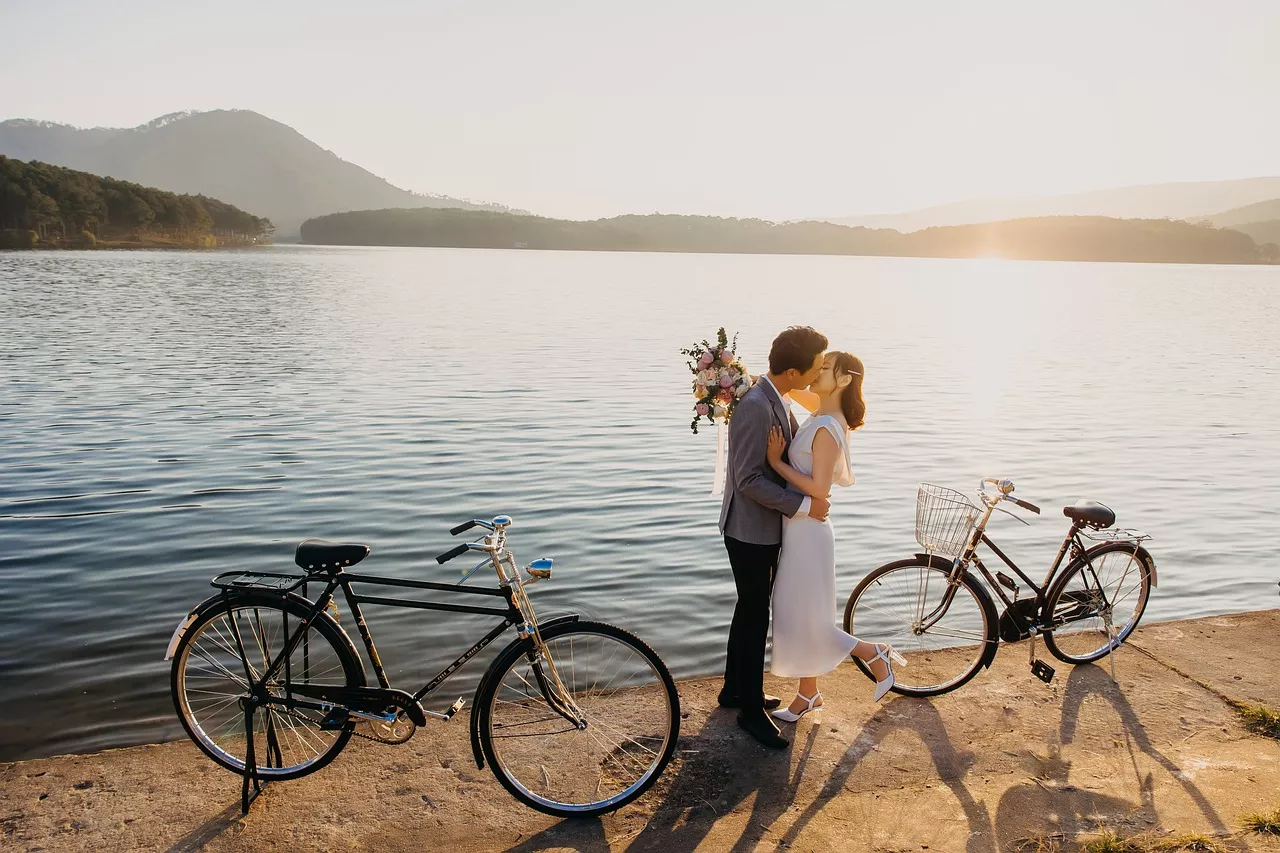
1054 238
1262 233
43 205
1260 212
239 156
1261 221
1151 201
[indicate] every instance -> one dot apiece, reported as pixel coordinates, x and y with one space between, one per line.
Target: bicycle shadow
207 832
921 718
1070 809
698 791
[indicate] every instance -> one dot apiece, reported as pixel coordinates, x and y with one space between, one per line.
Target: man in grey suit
755 500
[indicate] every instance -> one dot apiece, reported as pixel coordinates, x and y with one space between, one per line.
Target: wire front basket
944 519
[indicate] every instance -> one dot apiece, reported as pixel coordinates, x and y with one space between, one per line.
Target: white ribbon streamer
722 451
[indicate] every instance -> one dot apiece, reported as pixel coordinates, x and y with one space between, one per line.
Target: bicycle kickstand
250 762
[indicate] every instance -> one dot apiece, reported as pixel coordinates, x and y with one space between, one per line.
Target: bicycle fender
484 683
181 630
219 598
1151 561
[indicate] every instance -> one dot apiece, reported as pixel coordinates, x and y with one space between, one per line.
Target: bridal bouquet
719 379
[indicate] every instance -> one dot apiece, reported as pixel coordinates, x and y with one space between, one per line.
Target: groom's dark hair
796 347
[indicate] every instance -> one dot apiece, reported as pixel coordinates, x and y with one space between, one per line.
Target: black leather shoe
724 700
762 729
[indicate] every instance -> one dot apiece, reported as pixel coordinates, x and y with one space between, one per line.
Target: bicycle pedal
454 708
1042 671
335 720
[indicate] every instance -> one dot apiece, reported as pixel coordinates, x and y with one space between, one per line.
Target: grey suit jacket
755 496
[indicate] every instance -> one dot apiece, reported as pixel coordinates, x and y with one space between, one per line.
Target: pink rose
702 409
726 357
726 381
725 396
706 359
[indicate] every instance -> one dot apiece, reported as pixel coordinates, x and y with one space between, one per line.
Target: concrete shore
1005 763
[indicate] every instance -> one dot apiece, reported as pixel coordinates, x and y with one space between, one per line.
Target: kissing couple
781 547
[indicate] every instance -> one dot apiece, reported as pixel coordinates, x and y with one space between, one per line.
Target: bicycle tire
928 662
212 722
1067 599
659 697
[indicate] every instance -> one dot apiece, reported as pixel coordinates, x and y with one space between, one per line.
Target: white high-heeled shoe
785 714
885 652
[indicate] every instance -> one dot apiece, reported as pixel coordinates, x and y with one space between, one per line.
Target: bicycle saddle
1091 513
319 555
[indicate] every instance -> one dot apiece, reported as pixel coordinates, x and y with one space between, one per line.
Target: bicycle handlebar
1005 486
1025 504
453 552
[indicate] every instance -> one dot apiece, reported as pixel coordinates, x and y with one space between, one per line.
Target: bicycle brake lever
1011 515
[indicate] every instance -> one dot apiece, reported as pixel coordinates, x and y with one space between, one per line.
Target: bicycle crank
396 731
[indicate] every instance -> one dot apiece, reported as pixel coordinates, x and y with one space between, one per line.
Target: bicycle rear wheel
630 714
1098 601
902 604
208 681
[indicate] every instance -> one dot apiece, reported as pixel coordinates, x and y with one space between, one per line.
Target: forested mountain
1185 200
1051 238
44 204
239 156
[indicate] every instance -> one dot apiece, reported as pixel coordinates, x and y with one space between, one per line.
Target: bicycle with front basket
574 717
934 609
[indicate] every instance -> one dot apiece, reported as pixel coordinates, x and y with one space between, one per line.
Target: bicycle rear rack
267 581
1115 534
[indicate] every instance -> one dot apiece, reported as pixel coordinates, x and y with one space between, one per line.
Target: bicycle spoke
627 727
211 683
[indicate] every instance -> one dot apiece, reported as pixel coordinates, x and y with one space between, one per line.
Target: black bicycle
575 718
937 612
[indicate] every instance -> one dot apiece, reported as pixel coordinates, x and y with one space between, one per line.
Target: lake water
167 416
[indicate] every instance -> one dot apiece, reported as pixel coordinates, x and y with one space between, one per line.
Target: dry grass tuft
1259 718
1267 823
1111 842
1039 843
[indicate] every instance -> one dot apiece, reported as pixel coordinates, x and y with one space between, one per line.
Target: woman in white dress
806 641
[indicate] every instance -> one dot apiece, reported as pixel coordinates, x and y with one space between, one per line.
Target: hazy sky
779 110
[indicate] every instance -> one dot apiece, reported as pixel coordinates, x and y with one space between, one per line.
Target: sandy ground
1003 760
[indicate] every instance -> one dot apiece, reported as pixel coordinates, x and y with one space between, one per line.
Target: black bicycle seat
1091 513
318 555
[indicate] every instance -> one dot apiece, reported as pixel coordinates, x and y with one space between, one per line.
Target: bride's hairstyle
851 401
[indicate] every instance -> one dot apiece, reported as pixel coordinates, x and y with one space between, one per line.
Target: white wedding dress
806 641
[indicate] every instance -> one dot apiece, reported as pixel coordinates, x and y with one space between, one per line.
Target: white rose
720 411
742 390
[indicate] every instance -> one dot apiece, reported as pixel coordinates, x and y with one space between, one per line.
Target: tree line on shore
1064 238
52 205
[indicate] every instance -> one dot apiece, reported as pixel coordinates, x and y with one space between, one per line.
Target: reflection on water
166 416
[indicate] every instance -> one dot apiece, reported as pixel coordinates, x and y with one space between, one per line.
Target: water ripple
151 400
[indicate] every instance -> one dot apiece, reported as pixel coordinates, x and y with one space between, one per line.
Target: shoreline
1002 760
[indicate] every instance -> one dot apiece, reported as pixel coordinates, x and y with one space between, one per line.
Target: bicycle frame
1070 543
518 612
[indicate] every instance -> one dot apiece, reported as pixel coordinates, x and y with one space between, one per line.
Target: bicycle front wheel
209 679
1098 601
603 676
947 632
